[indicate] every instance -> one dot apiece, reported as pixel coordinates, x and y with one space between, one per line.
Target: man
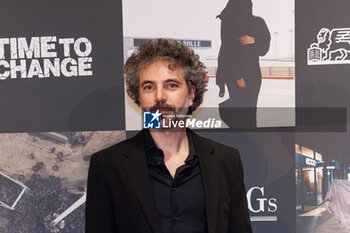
166 180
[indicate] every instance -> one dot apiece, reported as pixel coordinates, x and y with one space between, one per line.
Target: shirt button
173 188
176 219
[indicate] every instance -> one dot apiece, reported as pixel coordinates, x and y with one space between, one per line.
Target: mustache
160 105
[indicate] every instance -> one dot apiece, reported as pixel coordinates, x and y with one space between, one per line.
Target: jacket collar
135 165
210 176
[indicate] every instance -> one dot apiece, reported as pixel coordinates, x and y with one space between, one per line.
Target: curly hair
177 55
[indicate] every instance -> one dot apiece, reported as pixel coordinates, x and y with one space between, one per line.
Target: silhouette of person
244 37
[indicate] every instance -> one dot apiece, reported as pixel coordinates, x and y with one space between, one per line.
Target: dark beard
172 113
161 105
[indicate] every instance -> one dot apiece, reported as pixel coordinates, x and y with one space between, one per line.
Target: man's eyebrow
166 81
146 82
172 80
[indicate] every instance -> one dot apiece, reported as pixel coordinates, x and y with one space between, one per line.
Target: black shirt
180 201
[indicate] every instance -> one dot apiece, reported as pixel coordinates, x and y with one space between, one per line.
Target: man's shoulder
220 149
117 150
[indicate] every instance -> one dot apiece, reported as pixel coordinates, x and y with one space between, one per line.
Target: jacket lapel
210 176
135 165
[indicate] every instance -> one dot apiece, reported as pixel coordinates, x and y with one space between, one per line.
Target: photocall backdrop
63 98
322 68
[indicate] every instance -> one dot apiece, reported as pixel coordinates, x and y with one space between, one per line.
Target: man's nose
161 94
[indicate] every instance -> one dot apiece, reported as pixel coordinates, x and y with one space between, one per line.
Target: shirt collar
150 144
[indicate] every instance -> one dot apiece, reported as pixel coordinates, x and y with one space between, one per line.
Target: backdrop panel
322 70
61 65
43 179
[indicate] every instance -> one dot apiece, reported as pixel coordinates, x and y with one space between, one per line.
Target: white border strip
332 62
75 205
19 197
263 218
24 188
19 183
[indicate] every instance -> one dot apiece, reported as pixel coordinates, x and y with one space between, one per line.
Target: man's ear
191 95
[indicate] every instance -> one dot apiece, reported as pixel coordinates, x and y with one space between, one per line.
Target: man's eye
147 87
172 85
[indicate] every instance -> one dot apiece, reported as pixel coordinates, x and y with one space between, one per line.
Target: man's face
164 89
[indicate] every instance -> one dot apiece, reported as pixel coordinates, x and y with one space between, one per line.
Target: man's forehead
175 71
171 63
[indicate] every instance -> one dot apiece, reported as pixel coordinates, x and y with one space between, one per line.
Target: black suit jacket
119 194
